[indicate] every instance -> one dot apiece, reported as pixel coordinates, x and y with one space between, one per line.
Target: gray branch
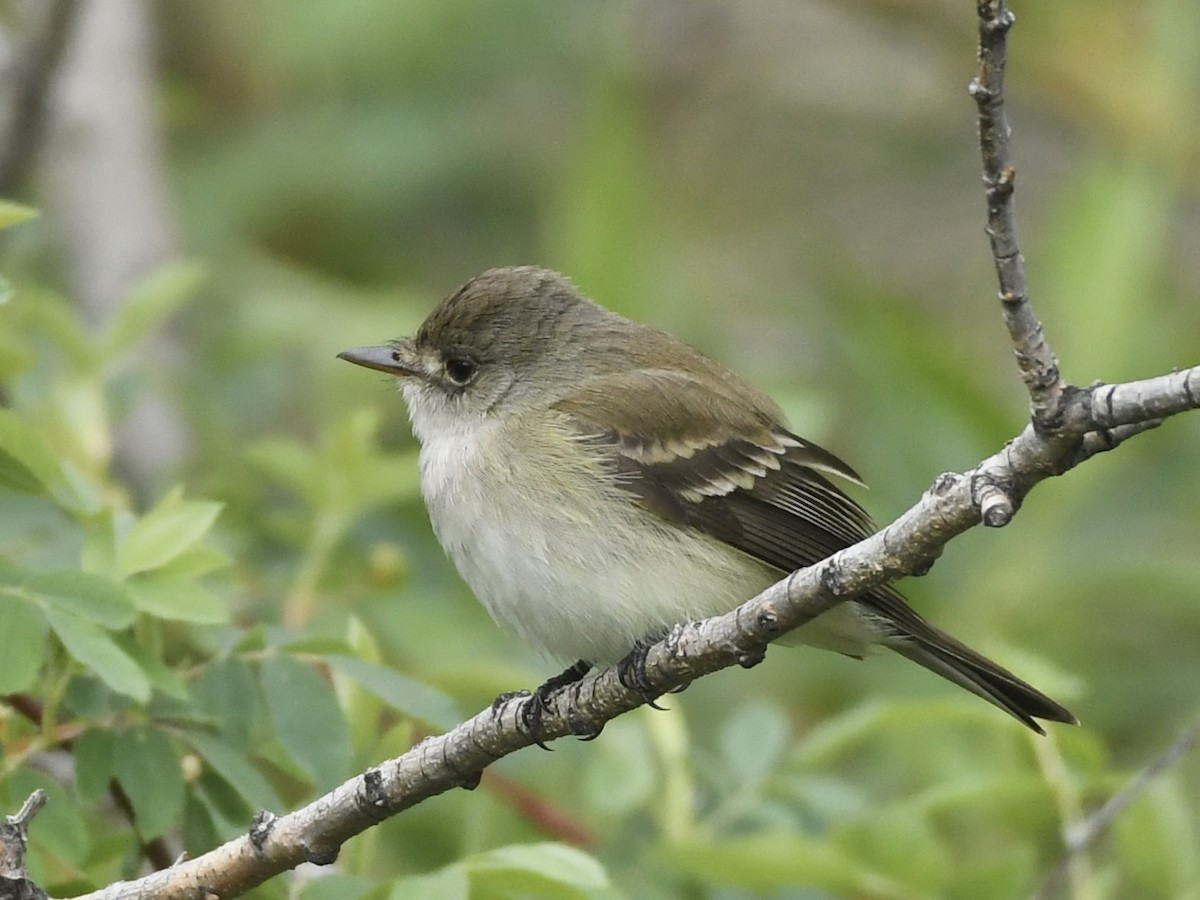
1083 835
990 492
14 841
1036 361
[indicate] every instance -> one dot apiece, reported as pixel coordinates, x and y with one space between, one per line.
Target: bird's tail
956 662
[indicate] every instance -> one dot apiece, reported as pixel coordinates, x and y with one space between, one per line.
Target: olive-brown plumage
597 481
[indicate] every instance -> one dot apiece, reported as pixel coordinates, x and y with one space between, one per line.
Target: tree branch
989 493
14 841
1036 361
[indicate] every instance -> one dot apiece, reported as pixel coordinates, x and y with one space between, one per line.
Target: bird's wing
703 458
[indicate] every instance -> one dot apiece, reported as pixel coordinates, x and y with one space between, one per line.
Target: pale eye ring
460 369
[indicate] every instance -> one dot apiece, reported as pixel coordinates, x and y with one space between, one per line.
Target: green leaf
450 883
233 766
228 691
88 644
147 765
363 708
94 752
225 811
152 302
903 844
162 678
177 599
754 739
336 887
307 718
199 827
16 476
291 464
16 356
530 869
195 562
409 696
357 476
92 597
58 318
89 698
100 543
310 644
15 213
622 773
245 640
27 464
165 532
22 644
771 861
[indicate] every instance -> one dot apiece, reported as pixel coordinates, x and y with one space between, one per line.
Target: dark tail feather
956 662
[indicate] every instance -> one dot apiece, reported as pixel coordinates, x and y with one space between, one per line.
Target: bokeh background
231 192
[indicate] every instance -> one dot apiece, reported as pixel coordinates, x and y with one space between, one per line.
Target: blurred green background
794 188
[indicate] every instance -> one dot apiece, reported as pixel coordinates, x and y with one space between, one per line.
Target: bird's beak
396 359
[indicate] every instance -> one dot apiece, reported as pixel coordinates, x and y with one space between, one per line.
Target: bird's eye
460 369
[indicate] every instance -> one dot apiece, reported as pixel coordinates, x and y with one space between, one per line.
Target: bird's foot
631 672
536 704
504 698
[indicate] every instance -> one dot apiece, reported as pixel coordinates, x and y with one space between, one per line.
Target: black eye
460 370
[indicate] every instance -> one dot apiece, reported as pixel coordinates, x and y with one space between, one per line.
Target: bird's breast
561 555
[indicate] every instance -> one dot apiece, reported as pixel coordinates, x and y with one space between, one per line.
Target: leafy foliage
275 615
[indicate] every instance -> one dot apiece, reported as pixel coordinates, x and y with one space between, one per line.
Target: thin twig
1140 402
30 808
1082 835
1106 439
1035 359
14 842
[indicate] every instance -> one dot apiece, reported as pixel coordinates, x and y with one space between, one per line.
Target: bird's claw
534 705
631 672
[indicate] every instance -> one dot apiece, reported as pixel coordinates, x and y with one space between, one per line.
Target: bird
597 481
